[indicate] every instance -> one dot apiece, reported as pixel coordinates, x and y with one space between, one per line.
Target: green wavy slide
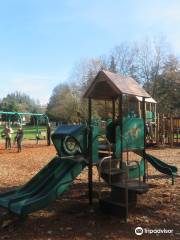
161 166
44 188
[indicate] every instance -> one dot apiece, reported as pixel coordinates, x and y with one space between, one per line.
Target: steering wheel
71 145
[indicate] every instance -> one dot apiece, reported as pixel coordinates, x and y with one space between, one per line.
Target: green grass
29 131
175 135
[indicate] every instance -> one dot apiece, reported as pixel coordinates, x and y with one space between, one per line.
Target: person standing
48 134
19 138
7 132
10 136
5 135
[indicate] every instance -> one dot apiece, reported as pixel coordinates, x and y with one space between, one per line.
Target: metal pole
90 165
9 120
144 151
121 127
37 130
113 118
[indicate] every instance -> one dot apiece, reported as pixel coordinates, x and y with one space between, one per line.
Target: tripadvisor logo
139 231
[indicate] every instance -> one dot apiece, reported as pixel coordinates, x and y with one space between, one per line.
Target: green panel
95 143
133 133
118 142
134 170
58 143
78 132
149 116
81 137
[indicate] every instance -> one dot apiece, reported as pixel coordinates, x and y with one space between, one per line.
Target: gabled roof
108 85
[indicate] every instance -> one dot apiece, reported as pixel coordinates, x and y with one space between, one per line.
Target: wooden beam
171 131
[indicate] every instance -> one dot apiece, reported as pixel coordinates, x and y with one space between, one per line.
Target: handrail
109 150
99 173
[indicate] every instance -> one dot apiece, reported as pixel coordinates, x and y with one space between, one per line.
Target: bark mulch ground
71 217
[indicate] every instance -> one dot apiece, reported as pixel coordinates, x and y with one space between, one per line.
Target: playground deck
71 217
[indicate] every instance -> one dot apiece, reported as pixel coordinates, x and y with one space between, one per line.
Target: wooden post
145 107
127 105
105 104
163 129
144 151
113 109
139 109
177 126
157 131
90 165
121 127
155 118
178 131
171 132
150 107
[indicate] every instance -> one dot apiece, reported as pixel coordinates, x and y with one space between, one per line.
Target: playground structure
162 129
18 118
168 128
151 118
80 146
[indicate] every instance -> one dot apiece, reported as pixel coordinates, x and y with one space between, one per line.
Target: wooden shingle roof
108 85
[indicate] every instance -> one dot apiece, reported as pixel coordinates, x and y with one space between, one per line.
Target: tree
148 62
85 70
167 87
19 102
151 59
124 59
113 66
63 105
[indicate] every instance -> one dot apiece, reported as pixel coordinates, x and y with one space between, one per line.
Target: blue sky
41 40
